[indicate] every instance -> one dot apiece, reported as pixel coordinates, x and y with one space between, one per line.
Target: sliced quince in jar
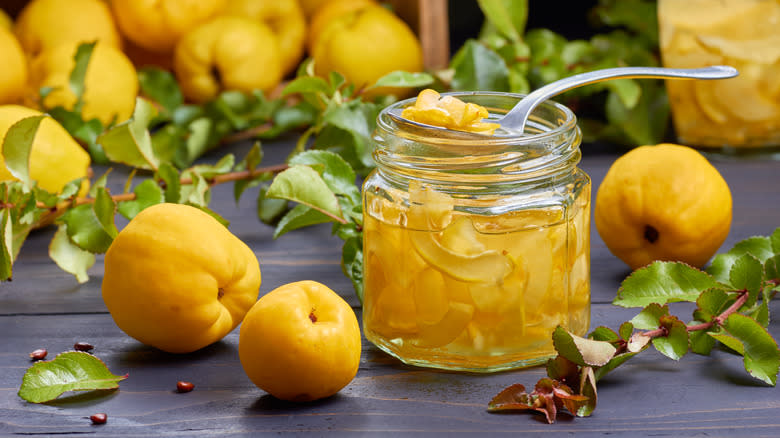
430 297
396 309
765 50
738 97
489 266
428 209
505 297
447 329
461 237
449 112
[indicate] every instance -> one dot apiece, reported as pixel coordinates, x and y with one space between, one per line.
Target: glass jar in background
738 116
475 249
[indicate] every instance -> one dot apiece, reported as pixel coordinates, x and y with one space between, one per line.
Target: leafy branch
732 299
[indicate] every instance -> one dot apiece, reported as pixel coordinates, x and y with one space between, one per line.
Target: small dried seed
83 346
39 354
182 386
100 418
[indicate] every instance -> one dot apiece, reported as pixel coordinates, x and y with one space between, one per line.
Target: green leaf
663 282
479 68
81 63
588 389
359 122
86 230
225 223
162 87
675 344
729 341
198 192
403 79
307 84
580 350
352 263
130 142
6 245
269 210
759 247
300 216
252 160
762 356
507 16
711 303
613 363
338 174
605 334
701 341
747 273
643 123
626 330
650 317
69 257
104 209
760 313
69 371
147 193
302 184
196 143
17 145
775 240
772 268
627 90
170 176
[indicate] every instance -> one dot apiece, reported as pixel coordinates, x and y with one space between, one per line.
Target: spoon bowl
515 120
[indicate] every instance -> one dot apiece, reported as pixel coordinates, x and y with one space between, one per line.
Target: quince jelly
477 294
475 249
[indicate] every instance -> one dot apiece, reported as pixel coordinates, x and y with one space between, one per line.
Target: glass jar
738 116
476 248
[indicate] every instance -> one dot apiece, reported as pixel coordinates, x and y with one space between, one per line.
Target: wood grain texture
651 395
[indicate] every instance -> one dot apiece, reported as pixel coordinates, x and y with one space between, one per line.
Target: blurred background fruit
55 159
13 75
328 12
45 24
110 85
227 53
309 7
157 25
6 22
365 45
286 20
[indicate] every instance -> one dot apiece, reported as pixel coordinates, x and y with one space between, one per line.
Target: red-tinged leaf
512 397
560 368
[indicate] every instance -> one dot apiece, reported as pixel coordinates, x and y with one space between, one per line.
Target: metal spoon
516 118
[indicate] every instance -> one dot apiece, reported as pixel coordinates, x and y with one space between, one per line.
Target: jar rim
563 124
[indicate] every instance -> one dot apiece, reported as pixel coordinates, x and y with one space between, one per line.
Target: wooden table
45 308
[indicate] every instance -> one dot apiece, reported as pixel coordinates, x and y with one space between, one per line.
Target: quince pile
211 46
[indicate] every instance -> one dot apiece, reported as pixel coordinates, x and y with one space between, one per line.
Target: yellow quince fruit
663 202
13 75
45 24
310 7
110 85
55 157
365 45
157 25
300 342
286 20
227 53
177 279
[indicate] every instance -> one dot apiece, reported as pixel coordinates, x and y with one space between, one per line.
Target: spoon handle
517 117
